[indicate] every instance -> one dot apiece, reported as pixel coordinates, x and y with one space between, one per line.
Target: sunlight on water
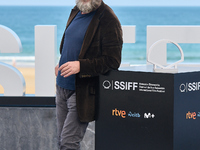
23 19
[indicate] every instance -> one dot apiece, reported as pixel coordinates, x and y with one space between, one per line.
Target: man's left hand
69 68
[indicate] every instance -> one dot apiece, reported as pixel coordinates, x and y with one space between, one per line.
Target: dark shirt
73 40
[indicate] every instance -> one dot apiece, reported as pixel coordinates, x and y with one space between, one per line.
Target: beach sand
29 76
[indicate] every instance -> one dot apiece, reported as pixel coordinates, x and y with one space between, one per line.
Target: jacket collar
91 30
74 12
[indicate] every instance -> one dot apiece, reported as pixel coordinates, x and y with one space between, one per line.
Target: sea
22 19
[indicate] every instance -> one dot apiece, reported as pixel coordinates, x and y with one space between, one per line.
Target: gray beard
87 7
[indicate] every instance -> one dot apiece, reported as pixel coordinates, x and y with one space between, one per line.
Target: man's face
87 6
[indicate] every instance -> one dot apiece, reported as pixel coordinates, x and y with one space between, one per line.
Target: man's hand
69 68
56 70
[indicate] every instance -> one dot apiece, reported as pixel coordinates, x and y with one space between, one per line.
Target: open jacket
100 52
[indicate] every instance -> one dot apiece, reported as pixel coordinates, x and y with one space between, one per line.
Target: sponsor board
122 113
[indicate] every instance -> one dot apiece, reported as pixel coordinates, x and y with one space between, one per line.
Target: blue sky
109 2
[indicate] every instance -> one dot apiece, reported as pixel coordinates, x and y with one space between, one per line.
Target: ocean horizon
22 20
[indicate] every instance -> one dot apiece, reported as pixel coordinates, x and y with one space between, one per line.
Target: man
91 45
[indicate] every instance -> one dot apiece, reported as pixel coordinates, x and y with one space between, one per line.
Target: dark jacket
100 52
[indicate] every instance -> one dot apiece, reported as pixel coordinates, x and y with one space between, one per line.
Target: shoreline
27 69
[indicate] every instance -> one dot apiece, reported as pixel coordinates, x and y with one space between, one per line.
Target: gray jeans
70 130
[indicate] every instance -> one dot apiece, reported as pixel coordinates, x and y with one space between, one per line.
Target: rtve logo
120 85
189 87
191 115
119 113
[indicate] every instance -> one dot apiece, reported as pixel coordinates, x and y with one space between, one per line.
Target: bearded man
91 45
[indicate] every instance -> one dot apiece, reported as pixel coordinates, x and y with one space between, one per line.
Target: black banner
141 111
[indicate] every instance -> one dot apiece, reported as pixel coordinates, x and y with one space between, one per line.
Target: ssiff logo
189 87
120 85
191 115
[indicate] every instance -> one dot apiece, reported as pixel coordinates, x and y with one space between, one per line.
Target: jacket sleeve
110 59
